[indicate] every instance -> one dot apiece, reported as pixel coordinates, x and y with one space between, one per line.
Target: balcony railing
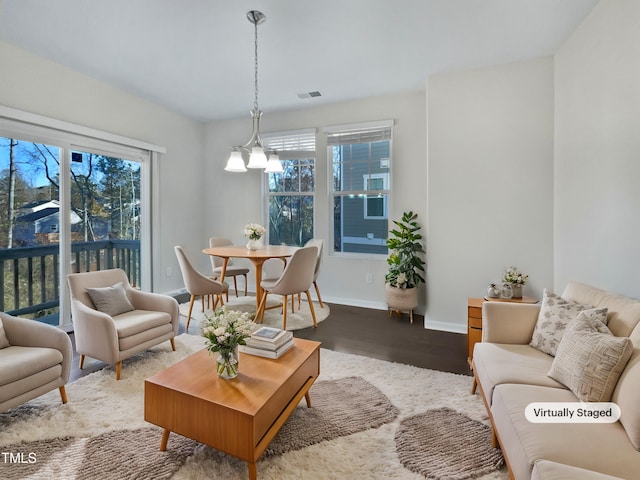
30 275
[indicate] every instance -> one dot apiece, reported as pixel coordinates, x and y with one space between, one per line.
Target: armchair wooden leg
173 344
313 312
81 362
63 394
118 369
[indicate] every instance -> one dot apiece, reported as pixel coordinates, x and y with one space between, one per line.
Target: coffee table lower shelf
240 416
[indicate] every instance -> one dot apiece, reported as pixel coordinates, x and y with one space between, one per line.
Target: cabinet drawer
475 322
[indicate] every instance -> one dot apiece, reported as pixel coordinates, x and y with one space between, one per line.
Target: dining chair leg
81 361
245 284
260 312
193 299
235 287
284 311
315 284
313 312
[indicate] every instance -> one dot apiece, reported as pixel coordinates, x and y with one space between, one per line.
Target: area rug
301 318
337 411
425 441
100 405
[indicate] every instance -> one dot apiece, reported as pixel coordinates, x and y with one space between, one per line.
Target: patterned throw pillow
590 359
4 342
555 314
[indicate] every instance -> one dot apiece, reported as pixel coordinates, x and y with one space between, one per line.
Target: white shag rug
98 403
301 318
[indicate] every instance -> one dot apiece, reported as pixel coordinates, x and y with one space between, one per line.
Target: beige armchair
112 321
36 359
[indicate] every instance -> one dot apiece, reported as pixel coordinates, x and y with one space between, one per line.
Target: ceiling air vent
309 94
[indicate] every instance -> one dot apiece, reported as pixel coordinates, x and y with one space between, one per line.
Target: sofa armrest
22 332
505 322
156 302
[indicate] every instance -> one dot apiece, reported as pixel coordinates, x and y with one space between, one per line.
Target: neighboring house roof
35 216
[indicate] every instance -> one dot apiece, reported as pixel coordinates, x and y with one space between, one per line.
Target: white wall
33 84
597 156
235 199
490 134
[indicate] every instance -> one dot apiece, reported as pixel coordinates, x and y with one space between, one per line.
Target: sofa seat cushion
546 470
20 362
601 447
4 342
498 363
138 321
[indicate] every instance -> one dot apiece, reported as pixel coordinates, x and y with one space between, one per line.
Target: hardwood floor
371 333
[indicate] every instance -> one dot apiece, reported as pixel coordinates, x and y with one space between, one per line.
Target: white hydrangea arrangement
254 231
513 275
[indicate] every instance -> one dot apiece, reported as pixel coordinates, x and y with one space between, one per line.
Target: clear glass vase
228 363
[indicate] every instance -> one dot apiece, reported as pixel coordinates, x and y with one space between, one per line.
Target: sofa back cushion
4 342
627 393
623 312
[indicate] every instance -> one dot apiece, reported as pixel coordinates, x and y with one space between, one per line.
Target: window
291 192
360 167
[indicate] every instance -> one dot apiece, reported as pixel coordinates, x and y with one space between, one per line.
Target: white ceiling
196 56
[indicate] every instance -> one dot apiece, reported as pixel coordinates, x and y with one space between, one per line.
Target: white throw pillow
4 341
111 300
555 314
590 359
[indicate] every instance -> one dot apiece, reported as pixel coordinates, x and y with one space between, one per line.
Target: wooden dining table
257 257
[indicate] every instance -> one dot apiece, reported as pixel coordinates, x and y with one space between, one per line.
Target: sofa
582 346
35 358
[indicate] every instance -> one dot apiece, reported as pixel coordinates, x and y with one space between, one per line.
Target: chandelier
254 148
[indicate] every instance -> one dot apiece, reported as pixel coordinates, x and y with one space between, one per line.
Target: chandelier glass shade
254 147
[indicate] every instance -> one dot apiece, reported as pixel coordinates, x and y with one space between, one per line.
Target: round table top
241 251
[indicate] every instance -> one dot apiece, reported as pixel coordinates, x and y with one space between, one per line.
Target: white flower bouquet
254 231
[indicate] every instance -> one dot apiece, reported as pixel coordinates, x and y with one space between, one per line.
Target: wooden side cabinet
474 319
474 324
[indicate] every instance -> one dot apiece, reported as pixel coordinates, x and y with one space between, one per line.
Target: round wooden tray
512 300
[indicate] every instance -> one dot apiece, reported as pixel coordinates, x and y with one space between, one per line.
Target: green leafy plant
405 258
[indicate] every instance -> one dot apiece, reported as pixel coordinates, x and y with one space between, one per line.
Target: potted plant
406 264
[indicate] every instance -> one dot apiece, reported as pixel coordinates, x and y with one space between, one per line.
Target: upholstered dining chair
113 321
35 358
198 284
318 243
232 270
296 277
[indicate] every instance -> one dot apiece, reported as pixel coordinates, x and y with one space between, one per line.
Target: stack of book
268 342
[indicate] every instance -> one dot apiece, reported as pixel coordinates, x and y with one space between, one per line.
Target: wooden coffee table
240 416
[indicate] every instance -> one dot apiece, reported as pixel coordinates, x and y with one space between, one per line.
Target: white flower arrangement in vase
254 233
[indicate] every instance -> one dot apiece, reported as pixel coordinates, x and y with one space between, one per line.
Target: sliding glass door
65 208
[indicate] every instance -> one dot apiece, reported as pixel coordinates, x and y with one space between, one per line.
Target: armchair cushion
111 300
590 359
22 362
4 343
